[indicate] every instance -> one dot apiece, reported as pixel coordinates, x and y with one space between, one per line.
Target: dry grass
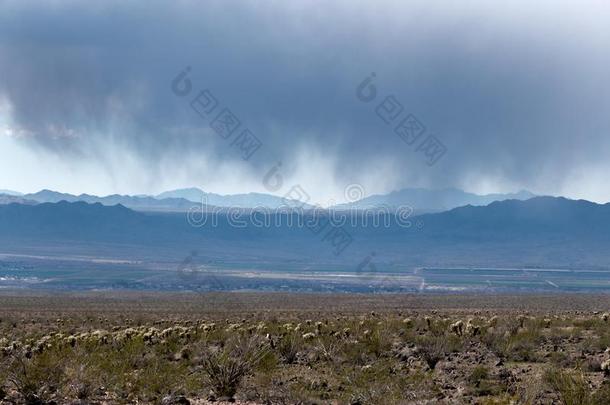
399 356
226 366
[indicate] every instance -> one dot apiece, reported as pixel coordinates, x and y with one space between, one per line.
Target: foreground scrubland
174 350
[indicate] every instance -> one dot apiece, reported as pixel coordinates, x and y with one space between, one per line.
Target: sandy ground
222 304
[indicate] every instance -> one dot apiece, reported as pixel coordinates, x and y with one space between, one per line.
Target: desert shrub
377 342
377 383
497 342
79 382
327 348
352 353
530 391
484 384
226 367
454 344
601 342
268 363
438 327
522 350
35 379
432 349
288 347
570 385
513 344
157 377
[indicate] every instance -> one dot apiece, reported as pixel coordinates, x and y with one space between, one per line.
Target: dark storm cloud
519 94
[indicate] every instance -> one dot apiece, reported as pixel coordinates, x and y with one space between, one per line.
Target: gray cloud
519 94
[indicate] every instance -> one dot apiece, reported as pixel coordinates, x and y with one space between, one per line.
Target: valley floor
260 348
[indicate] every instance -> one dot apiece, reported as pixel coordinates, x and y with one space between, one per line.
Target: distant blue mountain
141 203
11 198
539 215
542 231
178 200
11 192
71 218
248 200
192 194
421 200
432 200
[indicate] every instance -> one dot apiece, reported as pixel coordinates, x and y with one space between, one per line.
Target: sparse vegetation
381 357
226 366
572 386
433 349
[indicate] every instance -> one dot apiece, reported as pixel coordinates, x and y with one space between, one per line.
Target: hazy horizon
517 94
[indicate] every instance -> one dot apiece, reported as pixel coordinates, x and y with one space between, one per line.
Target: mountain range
248 200
421 200
141 203
10 192
10 198
432 200
542 231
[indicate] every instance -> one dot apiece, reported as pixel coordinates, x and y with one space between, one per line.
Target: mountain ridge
181 200
144 203
432 199
543 231
241 200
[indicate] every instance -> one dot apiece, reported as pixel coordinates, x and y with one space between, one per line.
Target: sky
516 95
